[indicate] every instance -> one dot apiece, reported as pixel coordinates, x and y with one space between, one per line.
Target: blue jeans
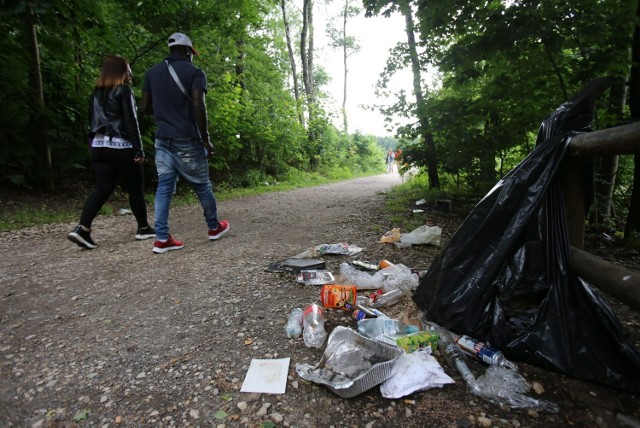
185 157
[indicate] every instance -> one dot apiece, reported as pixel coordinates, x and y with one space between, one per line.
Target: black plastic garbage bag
504 277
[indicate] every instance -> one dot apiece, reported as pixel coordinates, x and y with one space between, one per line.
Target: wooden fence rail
619 282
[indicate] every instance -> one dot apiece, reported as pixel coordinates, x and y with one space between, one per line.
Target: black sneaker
82 238
146 233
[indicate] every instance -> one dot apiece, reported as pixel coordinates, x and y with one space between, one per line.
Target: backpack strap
176 79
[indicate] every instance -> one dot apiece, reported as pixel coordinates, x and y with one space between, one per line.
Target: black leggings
109 165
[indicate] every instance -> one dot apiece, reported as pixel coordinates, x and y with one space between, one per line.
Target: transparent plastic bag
505 386
422 235
398 277
362 280
391 278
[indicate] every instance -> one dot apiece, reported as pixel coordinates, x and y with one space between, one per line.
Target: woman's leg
133 183
106 177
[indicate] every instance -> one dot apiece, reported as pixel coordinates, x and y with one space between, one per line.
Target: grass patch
21 209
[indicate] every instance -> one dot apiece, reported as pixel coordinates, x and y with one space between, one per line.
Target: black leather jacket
112 112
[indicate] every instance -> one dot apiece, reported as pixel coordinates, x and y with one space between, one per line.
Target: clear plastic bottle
313 326
294 324
456 358
389 298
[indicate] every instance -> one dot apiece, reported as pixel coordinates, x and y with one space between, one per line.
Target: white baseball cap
181 40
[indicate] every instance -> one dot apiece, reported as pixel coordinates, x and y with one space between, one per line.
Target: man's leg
191 160
167 175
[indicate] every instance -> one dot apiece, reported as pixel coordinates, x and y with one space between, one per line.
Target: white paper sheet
266 376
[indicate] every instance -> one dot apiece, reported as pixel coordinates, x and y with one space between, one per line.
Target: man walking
174 92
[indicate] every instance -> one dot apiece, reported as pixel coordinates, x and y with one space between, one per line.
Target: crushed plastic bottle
387 299
294 324
501 384
375 328
313 326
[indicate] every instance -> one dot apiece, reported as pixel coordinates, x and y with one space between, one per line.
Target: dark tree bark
40 131
292 60
425 128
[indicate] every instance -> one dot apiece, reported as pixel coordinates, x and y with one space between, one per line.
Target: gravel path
121 336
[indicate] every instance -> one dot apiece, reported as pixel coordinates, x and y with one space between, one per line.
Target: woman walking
390 159
116 150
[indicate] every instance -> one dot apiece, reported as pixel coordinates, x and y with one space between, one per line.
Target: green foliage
501 68
253 116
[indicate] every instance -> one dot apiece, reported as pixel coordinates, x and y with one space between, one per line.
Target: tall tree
307 50
421 110
292 62
340 38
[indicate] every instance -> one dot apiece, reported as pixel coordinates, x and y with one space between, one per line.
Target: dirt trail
119 335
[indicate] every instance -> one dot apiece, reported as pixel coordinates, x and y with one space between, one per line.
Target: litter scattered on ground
394 353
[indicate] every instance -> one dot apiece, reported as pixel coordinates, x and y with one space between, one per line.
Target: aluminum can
481 351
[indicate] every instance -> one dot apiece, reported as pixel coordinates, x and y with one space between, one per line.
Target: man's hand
206 143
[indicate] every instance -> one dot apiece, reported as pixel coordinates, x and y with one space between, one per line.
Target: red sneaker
160 247
223 227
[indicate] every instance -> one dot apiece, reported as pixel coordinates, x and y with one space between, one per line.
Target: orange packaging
337 296
384 264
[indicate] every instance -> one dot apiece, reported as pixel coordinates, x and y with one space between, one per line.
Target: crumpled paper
413 372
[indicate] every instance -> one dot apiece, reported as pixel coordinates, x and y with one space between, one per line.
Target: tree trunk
607 166
345 14
306 49
292 60
306 53
633 218
39 118
427 136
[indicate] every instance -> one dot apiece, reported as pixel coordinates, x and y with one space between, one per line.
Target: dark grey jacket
112 112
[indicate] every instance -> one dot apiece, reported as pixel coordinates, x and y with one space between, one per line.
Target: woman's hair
115 71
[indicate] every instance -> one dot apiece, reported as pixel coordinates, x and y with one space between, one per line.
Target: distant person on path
397 159
116 150
174 92
390 159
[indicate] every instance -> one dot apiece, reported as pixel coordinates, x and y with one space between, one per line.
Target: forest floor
119 336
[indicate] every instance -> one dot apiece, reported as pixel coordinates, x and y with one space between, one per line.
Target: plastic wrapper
505 278
340 248
315 277
414 372
351 363
506 387
390 236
